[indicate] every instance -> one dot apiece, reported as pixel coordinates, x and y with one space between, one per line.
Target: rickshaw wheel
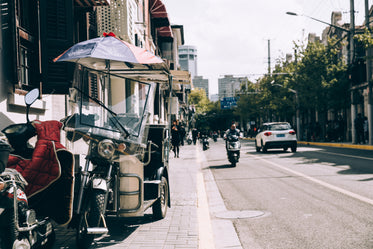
160 206
8 232
92 215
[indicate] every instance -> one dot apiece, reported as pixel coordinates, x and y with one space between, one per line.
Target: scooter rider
231 132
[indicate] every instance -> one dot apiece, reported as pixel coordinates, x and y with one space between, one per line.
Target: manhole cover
244 214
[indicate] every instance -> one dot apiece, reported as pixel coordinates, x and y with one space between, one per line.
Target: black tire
294 148
257 147
264 148
285 148
160 206
8 233
92 213
234 163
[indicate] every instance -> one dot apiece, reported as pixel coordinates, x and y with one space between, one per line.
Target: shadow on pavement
358 161
119 231
224 166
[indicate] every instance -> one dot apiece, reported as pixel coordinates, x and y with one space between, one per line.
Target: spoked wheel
160 206
90 217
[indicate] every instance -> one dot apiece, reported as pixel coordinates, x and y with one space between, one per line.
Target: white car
276 135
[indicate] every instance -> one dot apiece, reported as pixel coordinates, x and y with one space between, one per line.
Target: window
25 59
26 14
27 32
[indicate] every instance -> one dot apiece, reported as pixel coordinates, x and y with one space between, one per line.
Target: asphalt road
318 197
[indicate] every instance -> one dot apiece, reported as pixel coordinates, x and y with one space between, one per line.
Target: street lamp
296 103
329 24
349 32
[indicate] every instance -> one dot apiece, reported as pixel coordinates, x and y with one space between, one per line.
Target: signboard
228 103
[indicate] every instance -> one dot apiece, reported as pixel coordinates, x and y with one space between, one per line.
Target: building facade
200 82
188 59
229 86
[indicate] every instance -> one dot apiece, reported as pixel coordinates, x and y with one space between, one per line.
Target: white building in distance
200 82
188 59
230 85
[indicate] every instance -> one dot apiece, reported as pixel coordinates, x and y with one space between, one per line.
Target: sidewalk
339 144
187 224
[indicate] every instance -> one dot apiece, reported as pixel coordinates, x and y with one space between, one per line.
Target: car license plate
280 135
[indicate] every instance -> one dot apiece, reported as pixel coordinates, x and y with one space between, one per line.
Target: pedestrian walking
182 134
194 135
175 138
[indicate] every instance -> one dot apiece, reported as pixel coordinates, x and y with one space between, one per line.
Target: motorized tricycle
122 160
36 187
122 153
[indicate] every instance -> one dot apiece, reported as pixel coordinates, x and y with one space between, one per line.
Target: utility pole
351 59
369 78
269 57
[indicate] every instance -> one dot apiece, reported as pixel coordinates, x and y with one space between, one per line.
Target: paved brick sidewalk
178 230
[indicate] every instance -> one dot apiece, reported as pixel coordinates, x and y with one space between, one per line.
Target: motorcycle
124 169
233 147
34 186
205 142
215 137
189 139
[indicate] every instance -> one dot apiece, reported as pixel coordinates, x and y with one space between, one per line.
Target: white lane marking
338 154
205 237
322 183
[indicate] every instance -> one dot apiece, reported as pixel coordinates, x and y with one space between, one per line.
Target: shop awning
165 32
181 77
158 13
91 3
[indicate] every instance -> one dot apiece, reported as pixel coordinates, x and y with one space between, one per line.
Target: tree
198 98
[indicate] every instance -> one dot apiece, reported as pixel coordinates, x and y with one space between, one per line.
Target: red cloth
44 168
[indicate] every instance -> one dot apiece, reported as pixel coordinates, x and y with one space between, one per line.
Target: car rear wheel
257 147
285 148
264 148
294 148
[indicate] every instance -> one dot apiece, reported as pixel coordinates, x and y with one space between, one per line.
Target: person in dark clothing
359 128
194 135
182 134
175 138
232 131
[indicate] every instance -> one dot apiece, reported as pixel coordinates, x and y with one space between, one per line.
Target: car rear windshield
279 127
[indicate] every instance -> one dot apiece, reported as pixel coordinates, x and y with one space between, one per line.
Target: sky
232 36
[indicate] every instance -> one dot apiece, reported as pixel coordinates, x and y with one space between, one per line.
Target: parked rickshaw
121 149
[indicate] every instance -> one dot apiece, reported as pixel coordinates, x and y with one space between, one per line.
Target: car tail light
292 132
267 133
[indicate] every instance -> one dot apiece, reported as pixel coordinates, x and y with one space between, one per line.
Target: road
319 197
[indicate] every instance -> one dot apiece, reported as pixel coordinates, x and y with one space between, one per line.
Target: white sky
232 36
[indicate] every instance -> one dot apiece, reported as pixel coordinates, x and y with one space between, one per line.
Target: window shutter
56 24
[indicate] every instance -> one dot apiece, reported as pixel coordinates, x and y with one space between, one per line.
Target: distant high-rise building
229 85
188 59
200 82
214 97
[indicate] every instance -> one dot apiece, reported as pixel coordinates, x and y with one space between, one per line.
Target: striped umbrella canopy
111 53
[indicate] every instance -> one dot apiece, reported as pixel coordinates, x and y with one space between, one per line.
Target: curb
340 145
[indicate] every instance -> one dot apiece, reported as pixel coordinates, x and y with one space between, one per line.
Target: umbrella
109 53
